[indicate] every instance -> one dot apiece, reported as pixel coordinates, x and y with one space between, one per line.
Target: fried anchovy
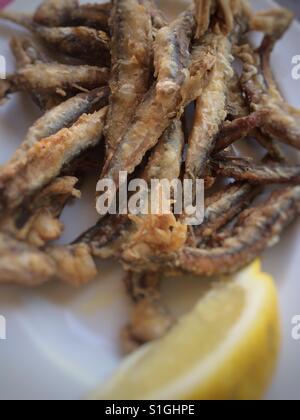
107 237
55 12
25 265
51 77
79 42
221 208
275 173
159 106
65 114
37 223
202 61
257 229
51 122
239 129
210 109
211 105
26 53
92 15
152 233
283 121
171 54
45 160
130 27
150 319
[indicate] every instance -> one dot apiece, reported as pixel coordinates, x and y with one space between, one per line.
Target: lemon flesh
226 348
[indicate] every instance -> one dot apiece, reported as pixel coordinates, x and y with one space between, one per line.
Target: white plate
61 343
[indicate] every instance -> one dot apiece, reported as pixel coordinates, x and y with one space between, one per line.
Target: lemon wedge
226 348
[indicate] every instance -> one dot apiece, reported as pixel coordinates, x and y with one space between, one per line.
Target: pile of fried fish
121 75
